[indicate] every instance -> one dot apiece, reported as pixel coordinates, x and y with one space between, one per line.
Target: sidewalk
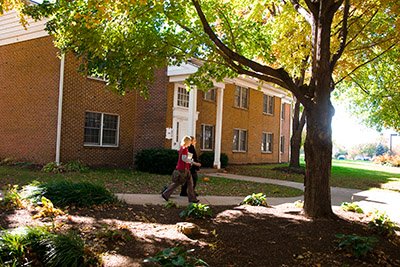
370 200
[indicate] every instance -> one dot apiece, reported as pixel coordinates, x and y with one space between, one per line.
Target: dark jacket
192 150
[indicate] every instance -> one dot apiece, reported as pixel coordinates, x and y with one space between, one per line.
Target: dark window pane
109 137
92 120
92 136
235 143
110 122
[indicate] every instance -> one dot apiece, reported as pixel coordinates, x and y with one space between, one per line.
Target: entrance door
180 130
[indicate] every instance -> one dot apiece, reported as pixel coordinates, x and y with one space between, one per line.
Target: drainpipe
218 128
60 102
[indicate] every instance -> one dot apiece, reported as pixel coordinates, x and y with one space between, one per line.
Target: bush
388 160
71 166
255 200
156 160
382 224
65 193
346 206
207 159
11 199
197 211
176 256
358 246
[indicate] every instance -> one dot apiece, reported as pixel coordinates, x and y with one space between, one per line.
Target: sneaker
164 196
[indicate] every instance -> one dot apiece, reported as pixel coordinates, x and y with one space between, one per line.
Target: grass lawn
345 173
128 181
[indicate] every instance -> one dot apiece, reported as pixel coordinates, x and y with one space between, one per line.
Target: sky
348 131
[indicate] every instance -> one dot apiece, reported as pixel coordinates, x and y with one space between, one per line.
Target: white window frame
97 78
101 130
268 108
185 97
264 146
282 144
202 145
240 131
242 104
210 95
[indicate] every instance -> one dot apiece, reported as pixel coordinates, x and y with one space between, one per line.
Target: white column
60 103
218 128
192 118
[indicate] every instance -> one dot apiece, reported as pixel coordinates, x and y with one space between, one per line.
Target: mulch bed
235 236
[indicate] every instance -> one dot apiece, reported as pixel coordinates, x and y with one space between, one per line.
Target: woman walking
193 169
181 173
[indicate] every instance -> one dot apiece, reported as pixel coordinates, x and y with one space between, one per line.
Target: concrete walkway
370 200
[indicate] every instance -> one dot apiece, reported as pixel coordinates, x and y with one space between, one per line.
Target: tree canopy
17 5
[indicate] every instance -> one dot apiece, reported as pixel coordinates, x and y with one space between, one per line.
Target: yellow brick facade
252 119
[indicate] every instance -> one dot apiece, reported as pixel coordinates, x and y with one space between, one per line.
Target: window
207 137
282 144
239 140
101 129
266 143
241 97
210 95
283 112
183 97
268 106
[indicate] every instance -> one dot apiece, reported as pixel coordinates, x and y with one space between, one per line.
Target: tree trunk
295 140
318 151
318 145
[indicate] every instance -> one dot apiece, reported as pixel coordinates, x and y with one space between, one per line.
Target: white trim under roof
12 31
182 72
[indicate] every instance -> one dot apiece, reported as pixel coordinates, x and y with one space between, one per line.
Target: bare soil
235 236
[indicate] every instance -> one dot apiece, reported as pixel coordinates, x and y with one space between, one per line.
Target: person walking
193 169
181 173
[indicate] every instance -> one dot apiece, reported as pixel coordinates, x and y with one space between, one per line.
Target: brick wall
29 79
255 122
151 115
168 117
83 94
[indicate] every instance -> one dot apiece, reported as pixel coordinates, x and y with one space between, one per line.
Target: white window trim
269 97
272 143
101 130
202 139
247 137
177 96
97 78
240 97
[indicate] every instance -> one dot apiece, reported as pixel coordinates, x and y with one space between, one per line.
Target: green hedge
207 159
156 160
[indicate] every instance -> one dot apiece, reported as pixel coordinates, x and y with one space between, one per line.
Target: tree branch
230 29
365 25
228 53
302 11
365 63
343 35
313 7
359 85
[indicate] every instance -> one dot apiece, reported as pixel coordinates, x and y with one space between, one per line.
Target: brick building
49 112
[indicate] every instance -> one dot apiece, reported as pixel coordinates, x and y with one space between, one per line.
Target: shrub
382 224
255 200
207 159
388 160
65 193
358 246
351 206
197 211
47 210
75 166
176 256
53 167
156 160
11 198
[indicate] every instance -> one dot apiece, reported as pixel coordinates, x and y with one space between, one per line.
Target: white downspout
218 128
192 118
60 102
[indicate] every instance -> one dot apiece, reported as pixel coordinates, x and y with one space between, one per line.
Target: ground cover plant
128 181
351 206
196 211
254 199
345 173
125 235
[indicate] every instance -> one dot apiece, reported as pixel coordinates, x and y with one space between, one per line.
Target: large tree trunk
318 145
295 140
